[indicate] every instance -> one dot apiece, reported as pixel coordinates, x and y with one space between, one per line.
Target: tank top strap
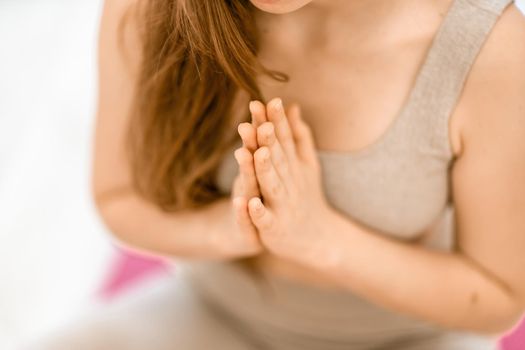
442 76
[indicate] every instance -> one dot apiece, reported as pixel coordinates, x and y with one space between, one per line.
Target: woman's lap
452 341
169 316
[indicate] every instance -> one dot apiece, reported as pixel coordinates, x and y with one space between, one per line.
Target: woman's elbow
109 208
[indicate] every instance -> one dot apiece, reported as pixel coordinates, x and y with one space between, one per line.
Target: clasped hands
278 199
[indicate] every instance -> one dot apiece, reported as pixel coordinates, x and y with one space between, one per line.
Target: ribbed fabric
399 186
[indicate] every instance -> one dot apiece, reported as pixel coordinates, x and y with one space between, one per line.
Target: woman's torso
386 124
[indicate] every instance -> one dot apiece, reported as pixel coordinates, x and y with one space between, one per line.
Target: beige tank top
399 186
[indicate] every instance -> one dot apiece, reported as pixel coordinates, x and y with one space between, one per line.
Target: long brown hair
196 56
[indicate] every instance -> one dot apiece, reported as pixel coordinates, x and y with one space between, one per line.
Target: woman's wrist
225 237
219 224
317 248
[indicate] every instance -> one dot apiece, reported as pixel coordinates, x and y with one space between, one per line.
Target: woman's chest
378 167
371 170
399 196
348 103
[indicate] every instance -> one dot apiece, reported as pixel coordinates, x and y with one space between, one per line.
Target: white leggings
169 316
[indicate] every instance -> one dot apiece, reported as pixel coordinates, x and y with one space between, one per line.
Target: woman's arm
450 289
211 232
206 233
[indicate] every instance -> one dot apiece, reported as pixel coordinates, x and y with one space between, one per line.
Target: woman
376 187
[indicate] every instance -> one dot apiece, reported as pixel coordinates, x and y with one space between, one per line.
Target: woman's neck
339 24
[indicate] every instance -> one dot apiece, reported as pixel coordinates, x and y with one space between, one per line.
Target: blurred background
56 259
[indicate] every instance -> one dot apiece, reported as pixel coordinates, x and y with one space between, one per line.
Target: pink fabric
515 339
131 268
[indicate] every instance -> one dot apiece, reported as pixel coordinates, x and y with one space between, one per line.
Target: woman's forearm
442 288
141 225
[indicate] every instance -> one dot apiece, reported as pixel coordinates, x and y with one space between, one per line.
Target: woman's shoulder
114 11
119 35
502 56
506 42
494 92
117 8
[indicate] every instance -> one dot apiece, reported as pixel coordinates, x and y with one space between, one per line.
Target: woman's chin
279 6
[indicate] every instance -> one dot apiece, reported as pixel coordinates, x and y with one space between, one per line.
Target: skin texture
302 237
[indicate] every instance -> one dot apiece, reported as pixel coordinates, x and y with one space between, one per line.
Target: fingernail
277 104
239 129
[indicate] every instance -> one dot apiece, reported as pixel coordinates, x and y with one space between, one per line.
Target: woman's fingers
237 187
302 134
266 137
272 189
258 112
247 236
242 217
248 135
277 116
248 179
249 241
240 207
261 216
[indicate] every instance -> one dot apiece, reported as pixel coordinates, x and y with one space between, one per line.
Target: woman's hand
233 233
290 216
244 154
246 240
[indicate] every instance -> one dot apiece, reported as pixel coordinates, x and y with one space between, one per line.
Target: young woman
328 174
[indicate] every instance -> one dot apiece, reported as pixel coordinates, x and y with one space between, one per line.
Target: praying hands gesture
279 191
